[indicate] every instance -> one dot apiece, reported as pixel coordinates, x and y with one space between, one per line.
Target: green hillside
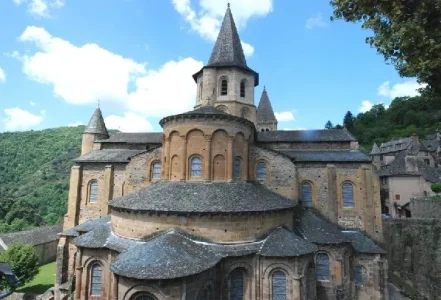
34 175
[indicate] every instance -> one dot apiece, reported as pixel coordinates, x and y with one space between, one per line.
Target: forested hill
34 175
404 116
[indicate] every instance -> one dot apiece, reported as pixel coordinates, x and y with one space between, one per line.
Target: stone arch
245 113
347 189
247 272
88 265
175 168
92 191
222 108
305 195
219 167
153 172
136 290
322 273
257 165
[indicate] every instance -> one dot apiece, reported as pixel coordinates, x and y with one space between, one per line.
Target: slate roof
395 144
169 255
326 155
35 236
203 197
375 149
108 155
362 244
324 135
135 138
318 231
96 123
284 243
86 226
431 144
265 112
205 110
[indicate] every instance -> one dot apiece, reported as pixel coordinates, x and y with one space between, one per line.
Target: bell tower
227 82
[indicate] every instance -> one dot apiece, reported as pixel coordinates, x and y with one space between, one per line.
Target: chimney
415 138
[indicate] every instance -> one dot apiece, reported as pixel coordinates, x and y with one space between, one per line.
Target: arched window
96 280
279 286
359 275
93 191
262 130
196 166
244 113
236 285
236 168
242 88
348 194
306 194
224 87
322 266
222 108
156 170
144 297
261 170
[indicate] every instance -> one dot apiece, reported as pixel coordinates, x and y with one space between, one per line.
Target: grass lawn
44 280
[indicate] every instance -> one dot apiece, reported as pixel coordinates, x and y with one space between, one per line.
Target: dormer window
224 87
242 88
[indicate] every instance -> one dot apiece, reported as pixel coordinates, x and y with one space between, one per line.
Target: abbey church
221 204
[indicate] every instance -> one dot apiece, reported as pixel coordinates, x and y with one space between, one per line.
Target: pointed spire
375 149
96 124
228 49
265 112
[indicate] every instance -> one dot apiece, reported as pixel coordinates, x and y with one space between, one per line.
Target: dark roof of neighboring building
265 112
431 144
203 197
96 124
362 244
324 135
318 231
135 138
395 144
108 155
284 243
326 155
35 236
166 256
375 149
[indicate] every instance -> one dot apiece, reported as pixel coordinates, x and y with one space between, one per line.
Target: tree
23 261
406 33
329 125
436 187
348 121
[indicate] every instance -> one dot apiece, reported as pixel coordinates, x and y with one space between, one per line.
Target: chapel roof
135 138
320 135
108 155
284 243
362 244
203 197
265 112
96 124
36 236
345 155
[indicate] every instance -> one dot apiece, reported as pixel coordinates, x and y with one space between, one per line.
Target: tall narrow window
195 167
306 194
224 87
96 280
261 170
279 286
359 276
322 266
242 88
348 194
236 168
156 170
236 285
93 191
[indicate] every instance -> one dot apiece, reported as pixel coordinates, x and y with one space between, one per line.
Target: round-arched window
196 166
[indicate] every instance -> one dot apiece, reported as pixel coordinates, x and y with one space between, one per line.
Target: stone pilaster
207 161
184 159
108 189
74 199
230 159
333 200
79 276
246 162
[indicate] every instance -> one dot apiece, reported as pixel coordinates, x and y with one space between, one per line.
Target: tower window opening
224 87
242 89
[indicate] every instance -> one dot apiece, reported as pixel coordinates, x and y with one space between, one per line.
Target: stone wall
414 255
423 208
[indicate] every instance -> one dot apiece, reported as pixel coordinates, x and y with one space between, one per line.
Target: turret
95 130
266 120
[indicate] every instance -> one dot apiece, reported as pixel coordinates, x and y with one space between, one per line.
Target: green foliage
44 280
23 261
329 125
34 176
436 187
348 121
406 33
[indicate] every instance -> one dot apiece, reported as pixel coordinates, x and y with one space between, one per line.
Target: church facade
221 204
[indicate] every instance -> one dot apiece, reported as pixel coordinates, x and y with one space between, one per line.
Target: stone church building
221 204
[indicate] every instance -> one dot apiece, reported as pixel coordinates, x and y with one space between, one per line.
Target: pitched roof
35 236
395 144
265 112
203 197
96 123
135 138
108 155
431 144
228 49
284 243
326 155
375 149
362 244
324 135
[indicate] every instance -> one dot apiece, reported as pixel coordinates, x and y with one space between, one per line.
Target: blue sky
57 57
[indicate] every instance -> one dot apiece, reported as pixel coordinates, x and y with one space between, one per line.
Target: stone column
245 171
76 178
108 189
79 275
166 159
206 162
230 159
183 157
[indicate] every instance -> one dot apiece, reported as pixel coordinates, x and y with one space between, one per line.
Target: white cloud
130 122
75 124
285 116
366 105
2 76
207 19
19 119
32 103
316 21
41 8
403 89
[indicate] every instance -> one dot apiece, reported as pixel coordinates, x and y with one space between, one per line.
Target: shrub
23 261
436 187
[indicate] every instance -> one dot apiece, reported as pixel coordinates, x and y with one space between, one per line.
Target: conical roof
375 149
265 112
96 123
228 49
